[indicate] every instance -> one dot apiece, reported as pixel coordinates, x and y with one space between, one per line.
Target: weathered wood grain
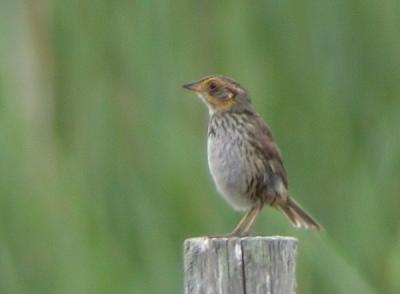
240 265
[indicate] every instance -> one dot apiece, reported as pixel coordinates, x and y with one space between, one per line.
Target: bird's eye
212 86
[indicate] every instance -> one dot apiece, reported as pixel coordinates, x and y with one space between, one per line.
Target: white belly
228 167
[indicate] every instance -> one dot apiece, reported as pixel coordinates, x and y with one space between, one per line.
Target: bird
243 158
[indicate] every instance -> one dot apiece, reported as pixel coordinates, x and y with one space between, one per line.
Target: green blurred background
103 168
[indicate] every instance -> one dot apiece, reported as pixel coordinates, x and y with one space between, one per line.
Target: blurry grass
102 156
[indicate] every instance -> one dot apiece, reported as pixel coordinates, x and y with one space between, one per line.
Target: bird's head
221 94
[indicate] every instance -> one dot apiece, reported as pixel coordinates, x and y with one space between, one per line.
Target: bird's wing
265 143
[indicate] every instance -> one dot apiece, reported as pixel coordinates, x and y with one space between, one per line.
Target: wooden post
240 265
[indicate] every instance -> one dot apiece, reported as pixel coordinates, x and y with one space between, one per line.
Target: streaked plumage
244 160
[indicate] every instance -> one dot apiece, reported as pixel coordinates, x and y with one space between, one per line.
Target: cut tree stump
240 265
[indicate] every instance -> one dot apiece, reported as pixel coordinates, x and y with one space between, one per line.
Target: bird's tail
298 216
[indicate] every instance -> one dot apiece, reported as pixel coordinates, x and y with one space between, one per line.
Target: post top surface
247 239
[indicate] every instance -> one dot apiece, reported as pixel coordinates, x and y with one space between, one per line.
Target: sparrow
244 160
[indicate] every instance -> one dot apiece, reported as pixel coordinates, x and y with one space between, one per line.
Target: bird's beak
194 86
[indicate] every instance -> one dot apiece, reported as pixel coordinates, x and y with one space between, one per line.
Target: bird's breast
229 167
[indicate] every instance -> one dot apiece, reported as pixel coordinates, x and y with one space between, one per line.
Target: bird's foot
234 234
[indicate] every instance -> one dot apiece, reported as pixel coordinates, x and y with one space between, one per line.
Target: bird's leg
251 221
237 232
238 229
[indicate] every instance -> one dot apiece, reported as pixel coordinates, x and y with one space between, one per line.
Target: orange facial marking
218 104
